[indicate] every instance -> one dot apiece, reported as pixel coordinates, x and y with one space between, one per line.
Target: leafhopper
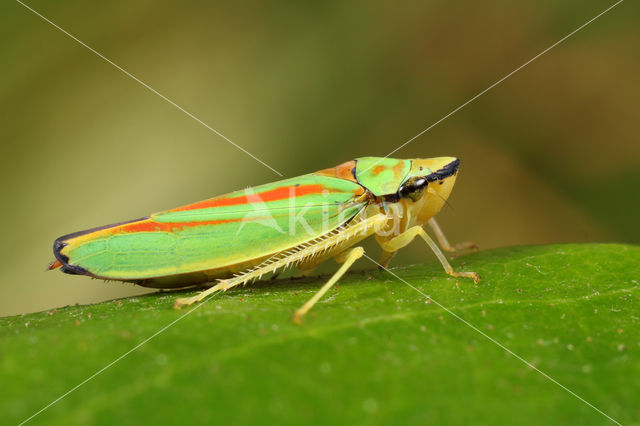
303 221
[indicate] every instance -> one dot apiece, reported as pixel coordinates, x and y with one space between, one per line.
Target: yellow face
426 189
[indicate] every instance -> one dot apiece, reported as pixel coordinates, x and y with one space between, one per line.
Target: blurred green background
550 155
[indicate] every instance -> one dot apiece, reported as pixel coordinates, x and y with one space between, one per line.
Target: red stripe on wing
150 225
281 193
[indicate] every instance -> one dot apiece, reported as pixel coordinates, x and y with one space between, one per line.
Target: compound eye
417 194
406 189
413 188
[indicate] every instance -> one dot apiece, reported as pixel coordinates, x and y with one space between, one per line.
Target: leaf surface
373 351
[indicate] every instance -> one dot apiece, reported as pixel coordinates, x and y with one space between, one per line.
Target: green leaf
372 351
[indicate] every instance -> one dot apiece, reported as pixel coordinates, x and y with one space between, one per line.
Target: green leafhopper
302 221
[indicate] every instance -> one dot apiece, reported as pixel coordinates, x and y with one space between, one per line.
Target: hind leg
347 258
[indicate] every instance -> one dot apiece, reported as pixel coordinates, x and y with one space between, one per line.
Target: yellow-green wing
227 230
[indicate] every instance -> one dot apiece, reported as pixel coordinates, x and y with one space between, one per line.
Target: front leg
398 242
444 243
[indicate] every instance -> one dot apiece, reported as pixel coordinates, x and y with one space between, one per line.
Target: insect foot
466 245
472 275
185 301
297 317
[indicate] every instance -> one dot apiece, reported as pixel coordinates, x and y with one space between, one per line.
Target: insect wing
225 230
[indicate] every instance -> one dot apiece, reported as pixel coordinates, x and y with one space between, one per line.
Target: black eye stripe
448 170
418 183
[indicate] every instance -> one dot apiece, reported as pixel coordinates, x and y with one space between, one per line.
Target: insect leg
407 236
386 257
186 301
347 258
305 255
444 243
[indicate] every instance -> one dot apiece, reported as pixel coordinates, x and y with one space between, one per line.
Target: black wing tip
58 245
61 242
65 267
